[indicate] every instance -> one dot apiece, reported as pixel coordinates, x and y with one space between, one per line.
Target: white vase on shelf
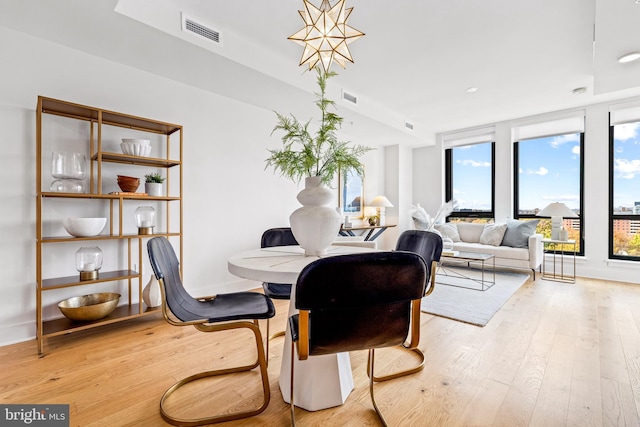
151 293
316 224
153 188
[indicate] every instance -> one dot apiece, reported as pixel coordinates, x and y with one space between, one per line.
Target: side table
366 230
554 249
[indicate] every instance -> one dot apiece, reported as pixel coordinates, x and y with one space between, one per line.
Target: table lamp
380 203
145 219
557 211
88 262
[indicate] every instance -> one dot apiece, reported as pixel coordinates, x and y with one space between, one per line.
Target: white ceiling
414 64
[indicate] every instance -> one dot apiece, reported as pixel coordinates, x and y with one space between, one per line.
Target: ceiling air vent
408 126
192 26
349 97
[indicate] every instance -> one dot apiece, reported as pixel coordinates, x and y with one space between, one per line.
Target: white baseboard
17 333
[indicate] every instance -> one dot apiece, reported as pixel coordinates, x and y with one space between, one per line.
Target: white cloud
542 171
475 163
626 131
576 150
563 139
626 169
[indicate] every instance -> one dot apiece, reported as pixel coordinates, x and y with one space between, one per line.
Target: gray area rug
468 305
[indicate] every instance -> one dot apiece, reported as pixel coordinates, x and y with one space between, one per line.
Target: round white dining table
320 381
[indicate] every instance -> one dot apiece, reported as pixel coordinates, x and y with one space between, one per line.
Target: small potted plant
153 184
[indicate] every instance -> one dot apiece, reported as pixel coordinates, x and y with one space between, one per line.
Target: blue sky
626 179
549 171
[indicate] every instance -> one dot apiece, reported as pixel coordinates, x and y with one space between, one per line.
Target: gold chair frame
302 346
412 346
204 326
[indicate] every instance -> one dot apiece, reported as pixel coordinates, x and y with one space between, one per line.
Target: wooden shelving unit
127 240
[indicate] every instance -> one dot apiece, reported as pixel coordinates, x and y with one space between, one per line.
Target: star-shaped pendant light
326 35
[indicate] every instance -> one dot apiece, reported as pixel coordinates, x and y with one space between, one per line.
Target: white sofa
513 244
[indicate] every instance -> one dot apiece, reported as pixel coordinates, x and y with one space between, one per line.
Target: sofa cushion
448 229
493 234
470 231
518 233
500 252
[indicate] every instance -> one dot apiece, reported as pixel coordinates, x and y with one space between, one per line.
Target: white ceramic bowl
126 149
136 147
137 141
84 227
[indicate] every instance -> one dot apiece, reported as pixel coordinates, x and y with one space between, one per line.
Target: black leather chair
277 237
426 244
344 301
211 314
429 246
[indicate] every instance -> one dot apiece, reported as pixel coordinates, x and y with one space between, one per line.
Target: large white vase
316 224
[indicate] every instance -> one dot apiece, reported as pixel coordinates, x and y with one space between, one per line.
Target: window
624 193
470 173
550 169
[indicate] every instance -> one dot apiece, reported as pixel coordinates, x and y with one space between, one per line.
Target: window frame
516 188
448 156
612 216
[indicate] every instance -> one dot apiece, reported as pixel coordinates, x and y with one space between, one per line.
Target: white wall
229 197
428 166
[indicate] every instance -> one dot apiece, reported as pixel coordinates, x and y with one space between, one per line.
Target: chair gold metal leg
277 334
292 406
267 350
370 369
418 368
261 361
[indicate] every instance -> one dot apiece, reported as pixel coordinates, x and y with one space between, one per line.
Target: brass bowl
89 307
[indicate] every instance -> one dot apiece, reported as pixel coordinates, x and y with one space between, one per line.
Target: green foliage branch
154 177
321 154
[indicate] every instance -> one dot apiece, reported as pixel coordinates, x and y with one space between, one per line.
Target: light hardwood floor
556 354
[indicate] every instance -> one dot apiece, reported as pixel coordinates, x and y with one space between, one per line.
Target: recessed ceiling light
472 89
579 90
629 57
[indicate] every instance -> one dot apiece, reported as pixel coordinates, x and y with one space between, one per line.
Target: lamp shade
381 202
557 209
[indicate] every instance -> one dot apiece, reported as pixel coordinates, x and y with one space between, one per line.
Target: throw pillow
518 233
448 229
493 234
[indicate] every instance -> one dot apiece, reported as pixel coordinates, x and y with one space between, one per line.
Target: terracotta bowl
89 307
128 183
